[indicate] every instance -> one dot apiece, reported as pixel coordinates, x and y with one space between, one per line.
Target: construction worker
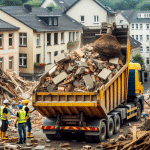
26 108
4 118
22 120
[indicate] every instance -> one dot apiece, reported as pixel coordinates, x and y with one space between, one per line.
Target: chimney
117 11
50 8
28 7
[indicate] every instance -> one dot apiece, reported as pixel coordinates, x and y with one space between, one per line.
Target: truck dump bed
93 104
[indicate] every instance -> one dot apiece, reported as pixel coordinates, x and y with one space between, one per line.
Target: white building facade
139 24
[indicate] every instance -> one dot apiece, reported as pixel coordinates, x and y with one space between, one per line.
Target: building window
141 49
121 21
38 58
132 36
136 26
141 37
77 35
136 37
82 18
23 60
38 39
70 36
10 39
55 21
48 38
50 21
62 37
147 26
48 57
96 19
1 40
147 60
147 37
23 39
1 63
132 26
147 49
55 38
10 62
73 36
62 51
55 53
141 26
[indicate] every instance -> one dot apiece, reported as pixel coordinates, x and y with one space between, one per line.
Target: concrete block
60 58
60 77
79 53
104 74
76 83
61 89
70 68
114 61
88 81
80 70
81 64
39 147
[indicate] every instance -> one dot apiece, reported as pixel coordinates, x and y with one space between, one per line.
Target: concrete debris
60 58
83 71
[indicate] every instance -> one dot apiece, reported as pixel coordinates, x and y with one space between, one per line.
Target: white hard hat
6 101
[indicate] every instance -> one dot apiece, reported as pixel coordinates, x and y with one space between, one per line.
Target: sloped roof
131 16
7 26
134 43
31 19
68 4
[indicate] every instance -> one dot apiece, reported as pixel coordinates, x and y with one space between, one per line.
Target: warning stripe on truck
71 128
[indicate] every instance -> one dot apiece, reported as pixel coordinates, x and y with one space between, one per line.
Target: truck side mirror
145 74
145 80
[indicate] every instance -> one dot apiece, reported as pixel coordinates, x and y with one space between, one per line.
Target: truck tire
138 116
50 136
110 127
117 124
102 133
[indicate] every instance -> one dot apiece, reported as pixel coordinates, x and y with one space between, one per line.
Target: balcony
72 45
39 68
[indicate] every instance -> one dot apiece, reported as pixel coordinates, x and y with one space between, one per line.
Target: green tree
138 59
34 3
144 5
54 7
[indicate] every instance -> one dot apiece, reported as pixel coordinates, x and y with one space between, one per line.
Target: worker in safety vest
4 118
26 108
22 120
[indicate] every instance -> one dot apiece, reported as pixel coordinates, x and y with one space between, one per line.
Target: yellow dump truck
96 114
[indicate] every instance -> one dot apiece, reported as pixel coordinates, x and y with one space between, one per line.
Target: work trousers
4 126
22 128
29 125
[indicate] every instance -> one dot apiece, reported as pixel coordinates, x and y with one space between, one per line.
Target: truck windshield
140 75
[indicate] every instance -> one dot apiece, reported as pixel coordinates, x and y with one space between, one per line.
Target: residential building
44 33
9 47
135 47
87 12
139 22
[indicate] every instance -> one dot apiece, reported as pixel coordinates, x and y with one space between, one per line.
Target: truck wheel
117 124
138 116
89 138
58 135
102 133
110 127
50 136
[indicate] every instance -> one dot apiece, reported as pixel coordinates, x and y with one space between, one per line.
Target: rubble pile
80 71
14 88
